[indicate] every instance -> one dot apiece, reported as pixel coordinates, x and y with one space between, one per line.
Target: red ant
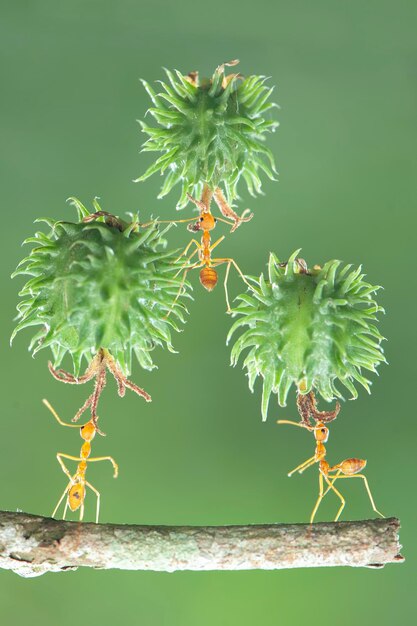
75 491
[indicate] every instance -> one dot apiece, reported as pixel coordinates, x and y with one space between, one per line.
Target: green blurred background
346 82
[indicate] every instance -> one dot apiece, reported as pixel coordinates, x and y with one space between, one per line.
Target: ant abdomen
208 278
76 496
351 466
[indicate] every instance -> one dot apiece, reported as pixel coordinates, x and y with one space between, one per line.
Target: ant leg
365 480
191 267
239 271
333 479
319 499
226 278
58 419
303 469
106 458
299 424
187 247
339 495
241 274
98 499
147 224
60 500
65 509
216 243
181 287
221 219
303 466
62 464
185 269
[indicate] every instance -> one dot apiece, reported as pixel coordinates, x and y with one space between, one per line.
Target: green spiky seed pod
308 328
100 283
210 133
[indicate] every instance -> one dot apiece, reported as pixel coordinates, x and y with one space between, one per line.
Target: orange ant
226 210
349 468
206 223
75 491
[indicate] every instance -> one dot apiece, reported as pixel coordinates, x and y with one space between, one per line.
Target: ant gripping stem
75 491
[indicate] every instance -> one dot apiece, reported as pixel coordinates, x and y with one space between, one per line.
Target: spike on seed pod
308 328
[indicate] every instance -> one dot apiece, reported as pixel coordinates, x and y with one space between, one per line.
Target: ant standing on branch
75 491
349 468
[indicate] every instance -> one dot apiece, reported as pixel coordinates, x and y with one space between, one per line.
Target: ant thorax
85 450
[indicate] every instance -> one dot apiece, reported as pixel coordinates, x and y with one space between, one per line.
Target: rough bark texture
31 545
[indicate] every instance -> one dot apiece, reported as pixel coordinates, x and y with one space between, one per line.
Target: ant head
321 432
88 431
207 221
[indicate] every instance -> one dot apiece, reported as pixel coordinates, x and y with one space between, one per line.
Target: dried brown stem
97 369
228 212
31 545
307 408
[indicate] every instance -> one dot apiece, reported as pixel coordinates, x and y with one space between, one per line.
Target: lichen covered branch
31 545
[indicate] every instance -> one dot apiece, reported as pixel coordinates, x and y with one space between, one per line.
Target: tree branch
31 545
